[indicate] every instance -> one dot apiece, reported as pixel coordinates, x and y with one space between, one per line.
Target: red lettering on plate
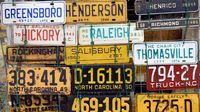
40 35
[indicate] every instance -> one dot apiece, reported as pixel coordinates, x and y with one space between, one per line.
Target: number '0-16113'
103 75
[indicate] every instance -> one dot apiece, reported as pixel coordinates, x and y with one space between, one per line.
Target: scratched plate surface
35 55
167 103
38 103
98 54
39 80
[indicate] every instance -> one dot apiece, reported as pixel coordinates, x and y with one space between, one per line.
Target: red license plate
170 77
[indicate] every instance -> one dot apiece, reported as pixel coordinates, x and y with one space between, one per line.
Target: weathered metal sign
45 35
41 12
110 34
172 77
102 78
38 103
142 7
39 80
167 102
38 34
107 54
100 103
168 23
96 11
35 55
162 53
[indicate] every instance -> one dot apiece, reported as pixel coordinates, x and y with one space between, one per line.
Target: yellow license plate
167 103
39 80
92 11
35 55
100 103
99 54
101 78
37 103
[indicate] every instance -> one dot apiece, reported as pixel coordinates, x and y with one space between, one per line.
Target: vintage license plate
110 34
45 35
38 103
38 35
102 78
98 54
96 11
35 55
171 77
145 7
163 53
39 80
100 104
167 103
168 23
41 12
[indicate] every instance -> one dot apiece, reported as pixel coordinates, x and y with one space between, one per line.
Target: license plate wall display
98 54
91 11
38 35
38 103
101 103
110 34
40 12
164 53
35 55
106 79
38 80
173 77
167 102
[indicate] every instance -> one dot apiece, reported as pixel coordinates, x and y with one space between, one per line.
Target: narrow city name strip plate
38 35
45 35
35 55
100 103
142 7
168 23
87 79
163 53
96 11
41 12
104 54
38 103
167 102
172 77
110 34
39 80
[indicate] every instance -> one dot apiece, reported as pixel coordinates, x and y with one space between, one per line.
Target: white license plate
40 12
